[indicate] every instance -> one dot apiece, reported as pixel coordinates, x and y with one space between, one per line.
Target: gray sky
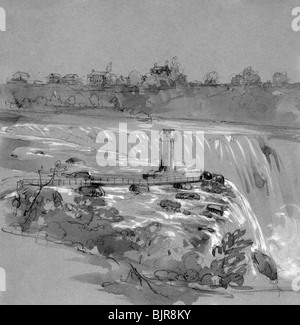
65 36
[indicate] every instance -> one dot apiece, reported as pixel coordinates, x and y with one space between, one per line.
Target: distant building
38 82
54 78
71 78
102 77
161 70
97 77
21 76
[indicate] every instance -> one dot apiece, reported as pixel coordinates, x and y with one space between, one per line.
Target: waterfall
242 213
261 169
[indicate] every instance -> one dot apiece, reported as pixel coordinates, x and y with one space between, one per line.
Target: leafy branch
28 211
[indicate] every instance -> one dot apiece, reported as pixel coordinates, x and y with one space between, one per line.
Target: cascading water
263 175
240 211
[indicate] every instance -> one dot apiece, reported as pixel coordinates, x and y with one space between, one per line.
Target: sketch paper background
251 131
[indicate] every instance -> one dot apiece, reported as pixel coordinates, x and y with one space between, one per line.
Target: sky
76 36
